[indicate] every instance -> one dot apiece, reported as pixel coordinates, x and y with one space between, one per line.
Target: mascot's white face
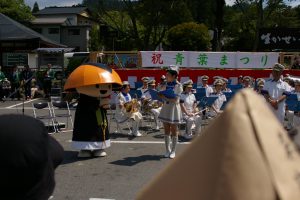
102 91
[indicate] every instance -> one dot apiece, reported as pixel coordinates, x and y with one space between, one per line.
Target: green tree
35 7
16 9
244 19
95 42
188 36
264 12
146 22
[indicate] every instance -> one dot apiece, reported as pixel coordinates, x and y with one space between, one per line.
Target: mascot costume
94 83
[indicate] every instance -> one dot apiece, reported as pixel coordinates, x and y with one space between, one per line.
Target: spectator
36 90
26 77
15 83
6 86
2 77
29 157
48 77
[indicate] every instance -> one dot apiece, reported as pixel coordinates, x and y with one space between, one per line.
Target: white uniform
122 115
188 100
275 90
143 90
154 111
171 112
209 90
218 103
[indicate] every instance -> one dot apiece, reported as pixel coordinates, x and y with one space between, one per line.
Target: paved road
131 163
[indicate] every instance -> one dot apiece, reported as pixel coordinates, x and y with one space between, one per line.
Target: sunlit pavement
131 162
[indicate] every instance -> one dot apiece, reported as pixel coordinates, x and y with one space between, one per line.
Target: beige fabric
245 154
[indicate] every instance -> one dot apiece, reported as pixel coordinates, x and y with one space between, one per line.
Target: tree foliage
16 9
95 41
35 7
244 20
144 24
189 36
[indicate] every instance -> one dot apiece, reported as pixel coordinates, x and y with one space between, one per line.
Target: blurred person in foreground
29 157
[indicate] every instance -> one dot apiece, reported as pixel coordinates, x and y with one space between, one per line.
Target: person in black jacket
29 157
26 77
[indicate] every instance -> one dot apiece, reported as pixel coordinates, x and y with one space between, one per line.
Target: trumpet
132 106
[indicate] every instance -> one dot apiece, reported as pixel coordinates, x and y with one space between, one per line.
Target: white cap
174 68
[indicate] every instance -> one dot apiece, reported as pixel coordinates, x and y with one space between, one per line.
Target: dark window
74 31
39 30
53 30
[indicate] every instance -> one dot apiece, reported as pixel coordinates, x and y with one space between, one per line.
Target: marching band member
126 108
247 82
260 85
208 89
154 105
216 107
170 113
190 114
224 87
162 84
240 80
145 85
293 117
276 88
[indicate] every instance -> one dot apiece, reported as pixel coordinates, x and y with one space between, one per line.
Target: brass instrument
146 105
132 106
155 104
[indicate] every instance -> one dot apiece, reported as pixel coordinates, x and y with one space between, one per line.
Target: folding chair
61 109
112 118
42 111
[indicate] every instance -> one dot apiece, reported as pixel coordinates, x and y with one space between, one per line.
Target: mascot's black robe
90 126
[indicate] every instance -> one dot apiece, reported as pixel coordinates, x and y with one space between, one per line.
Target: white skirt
171 113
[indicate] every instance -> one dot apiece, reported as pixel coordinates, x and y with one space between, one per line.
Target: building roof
11 30
47 20
61 10
54 50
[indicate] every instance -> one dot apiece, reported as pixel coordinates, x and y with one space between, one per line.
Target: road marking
143 142
18 104
99 199
65 131
26 108
139 142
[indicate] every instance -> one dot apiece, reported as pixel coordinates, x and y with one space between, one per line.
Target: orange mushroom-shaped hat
93 74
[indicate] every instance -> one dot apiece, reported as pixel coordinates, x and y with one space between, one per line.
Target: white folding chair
61 109
42 111
112 119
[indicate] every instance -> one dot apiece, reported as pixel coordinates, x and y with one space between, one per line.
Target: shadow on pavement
71 157
130 161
